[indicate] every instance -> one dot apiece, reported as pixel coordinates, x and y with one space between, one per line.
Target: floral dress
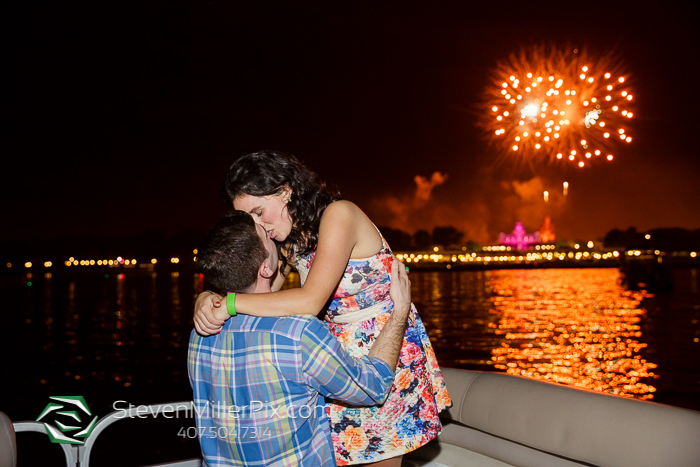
409 418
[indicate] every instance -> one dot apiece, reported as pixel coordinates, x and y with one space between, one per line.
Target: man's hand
400 290
208 313
388 345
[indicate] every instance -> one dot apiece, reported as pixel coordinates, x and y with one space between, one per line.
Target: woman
340 255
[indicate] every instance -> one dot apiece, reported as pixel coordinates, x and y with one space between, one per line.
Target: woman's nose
264 225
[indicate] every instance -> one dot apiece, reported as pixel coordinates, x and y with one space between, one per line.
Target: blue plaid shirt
256 390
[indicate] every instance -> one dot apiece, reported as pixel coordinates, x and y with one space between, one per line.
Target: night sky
124 118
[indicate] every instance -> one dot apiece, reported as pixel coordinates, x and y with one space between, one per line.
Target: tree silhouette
397 239
447 236
421 239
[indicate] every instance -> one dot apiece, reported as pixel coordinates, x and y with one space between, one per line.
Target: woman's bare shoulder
345 213
344 208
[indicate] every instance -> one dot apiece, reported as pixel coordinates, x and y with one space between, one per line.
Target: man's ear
265 271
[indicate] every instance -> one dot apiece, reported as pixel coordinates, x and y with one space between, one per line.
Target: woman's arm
338 235
342 227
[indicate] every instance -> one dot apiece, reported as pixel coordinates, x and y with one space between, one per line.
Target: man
259 383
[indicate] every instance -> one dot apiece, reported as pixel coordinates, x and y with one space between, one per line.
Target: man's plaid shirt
257 385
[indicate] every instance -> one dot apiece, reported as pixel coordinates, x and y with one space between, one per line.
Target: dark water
121 335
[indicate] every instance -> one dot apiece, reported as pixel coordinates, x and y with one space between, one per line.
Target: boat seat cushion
8 443
570 425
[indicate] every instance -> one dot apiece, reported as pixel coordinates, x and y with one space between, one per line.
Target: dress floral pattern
409 417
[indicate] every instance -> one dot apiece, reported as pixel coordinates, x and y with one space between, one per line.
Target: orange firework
559 105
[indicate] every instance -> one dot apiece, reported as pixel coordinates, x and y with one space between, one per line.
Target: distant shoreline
462 261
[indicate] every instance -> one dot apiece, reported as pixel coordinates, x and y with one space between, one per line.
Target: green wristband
231 303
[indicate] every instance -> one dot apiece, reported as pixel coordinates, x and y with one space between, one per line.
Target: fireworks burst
561 105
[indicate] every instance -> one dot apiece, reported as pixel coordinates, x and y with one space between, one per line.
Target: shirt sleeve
329 369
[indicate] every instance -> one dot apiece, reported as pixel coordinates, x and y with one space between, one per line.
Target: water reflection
175 296
176 311
72 319
577 329
198 285
153 328
455 309
124 336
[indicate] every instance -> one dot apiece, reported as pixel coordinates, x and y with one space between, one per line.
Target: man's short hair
231 253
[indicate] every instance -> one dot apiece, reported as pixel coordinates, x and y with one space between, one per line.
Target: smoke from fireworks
559 105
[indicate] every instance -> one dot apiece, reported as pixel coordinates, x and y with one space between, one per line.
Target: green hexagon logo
65 413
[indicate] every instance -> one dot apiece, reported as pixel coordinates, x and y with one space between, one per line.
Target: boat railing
78 455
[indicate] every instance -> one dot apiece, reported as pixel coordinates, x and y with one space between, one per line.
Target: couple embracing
275 386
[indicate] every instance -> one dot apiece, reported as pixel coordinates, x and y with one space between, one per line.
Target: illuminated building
547 231
519 239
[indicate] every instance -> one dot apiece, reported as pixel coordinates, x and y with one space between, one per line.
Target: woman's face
268 211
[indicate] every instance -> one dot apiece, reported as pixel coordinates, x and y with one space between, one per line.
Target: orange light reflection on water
578 330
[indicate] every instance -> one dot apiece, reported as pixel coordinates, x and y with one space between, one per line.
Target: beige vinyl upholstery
499 420
8 444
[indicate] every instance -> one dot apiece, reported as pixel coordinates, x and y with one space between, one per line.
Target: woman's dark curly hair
266 173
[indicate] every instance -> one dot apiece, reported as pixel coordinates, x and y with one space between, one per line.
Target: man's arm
388 345
367 381
329 369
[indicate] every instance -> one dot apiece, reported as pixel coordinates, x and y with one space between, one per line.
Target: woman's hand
208 313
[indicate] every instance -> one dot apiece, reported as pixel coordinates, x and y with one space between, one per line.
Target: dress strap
384 243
